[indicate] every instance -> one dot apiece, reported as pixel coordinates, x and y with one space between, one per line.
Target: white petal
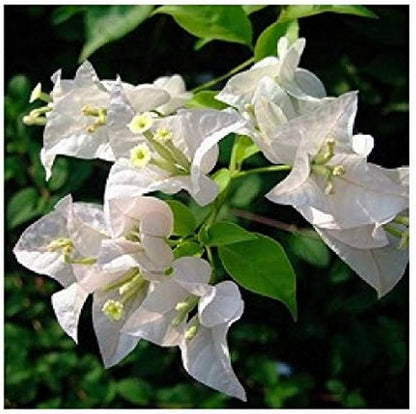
153 320
309 83
147 214
206 358
381 268
193 274
207 188
31 248
121 254
120 113
113 344
158 251
240 88
222 306
289 60
363 237
362 144
67 304
87 228
147 97
297 188
124 179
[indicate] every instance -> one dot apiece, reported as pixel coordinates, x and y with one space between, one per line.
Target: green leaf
104 24
222 178
262 266
266 44
249 9
22 207
223 233
60 174
247 190
243 148
134 390
200 43
184 220
205 99
311 250
19 88
227 23
64 13
188 248
296 12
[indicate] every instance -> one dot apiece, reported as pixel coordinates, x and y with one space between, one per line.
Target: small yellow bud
140 156
338 170
113 310
141 123
163 135
191 332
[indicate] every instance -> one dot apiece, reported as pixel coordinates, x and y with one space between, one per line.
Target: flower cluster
121 252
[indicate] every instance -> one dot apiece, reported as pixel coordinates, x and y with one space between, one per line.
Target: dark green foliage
347 349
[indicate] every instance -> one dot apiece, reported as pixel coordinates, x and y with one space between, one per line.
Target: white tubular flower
176 88
378 252
64 245
331 185
140 227
300 83
183 150
163 318
77 123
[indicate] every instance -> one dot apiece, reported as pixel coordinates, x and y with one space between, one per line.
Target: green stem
273 168
222 77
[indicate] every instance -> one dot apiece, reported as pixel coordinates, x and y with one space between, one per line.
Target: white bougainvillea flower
71 232
180 150
300 83
68 237
128 264
77 122
378 252
163 318
330 184
176 88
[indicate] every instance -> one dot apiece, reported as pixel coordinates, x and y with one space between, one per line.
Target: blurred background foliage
347 348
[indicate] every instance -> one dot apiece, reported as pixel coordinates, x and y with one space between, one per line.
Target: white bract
378 252
299 83
167 154
77 117
176 88
164 319
330 184
63 245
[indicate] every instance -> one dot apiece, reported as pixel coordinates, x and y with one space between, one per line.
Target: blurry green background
347 349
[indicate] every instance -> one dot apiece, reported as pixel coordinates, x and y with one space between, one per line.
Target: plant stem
273 168
291 228
222 77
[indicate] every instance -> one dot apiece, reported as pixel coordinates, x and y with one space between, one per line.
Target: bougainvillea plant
149 265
